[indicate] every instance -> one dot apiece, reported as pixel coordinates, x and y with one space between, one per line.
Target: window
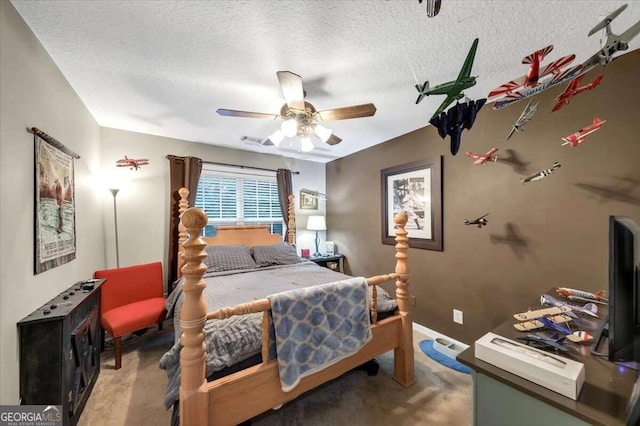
232 195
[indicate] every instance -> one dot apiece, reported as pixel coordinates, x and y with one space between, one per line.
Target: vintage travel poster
55 228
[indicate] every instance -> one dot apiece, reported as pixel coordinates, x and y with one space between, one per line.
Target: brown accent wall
560 223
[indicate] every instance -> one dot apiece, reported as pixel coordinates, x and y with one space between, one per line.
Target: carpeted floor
133 395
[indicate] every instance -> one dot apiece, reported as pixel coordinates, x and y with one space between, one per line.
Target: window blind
235 196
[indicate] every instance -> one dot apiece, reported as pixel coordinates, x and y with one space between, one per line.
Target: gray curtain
183 172
285 187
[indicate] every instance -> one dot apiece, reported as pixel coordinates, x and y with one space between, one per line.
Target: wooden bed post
183 205
291 220
194 400
403 355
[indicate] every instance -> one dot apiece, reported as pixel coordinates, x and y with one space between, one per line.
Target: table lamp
316 223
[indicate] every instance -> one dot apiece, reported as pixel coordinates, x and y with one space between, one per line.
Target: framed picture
308 200
55 217
416 189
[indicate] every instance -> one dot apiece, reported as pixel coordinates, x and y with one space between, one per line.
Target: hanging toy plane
580 136
542 174
527 114
459 117
573 89
481 221
132 162
453 89
534 74
482 159
611 42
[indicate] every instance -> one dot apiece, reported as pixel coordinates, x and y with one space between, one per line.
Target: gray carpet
133 395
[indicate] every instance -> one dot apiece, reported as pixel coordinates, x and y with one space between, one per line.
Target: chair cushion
134 316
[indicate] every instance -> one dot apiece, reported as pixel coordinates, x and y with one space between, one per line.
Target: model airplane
542 174
481 221
534 73
433 7
482 159
588 309
541 341
573 294
527 114
453 89
580 136
530 320
564 76
132 162
612 43
574 336
459 117
573 89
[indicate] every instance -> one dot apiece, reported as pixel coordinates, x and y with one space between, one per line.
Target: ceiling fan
300 118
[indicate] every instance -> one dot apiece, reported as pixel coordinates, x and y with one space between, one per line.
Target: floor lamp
114 191
316 223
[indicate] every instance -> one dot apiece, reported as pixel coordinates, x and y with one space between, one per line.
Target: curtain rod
53 141
245 167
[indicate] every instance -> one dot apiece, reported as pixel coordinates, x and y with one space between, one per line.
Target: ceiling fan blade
234 113
291 85
267 142
355 111
333 140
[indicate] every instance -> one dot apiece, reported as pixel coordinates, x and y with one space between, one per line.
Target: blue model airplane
574 336
459 117
453 89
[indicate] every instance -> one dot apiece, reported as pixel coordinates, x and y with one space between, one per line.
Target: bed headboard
248 235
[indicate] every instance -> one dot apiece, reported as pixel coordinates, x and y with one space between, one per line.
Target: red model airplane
573 89
481 159
132 162
535 72
580 136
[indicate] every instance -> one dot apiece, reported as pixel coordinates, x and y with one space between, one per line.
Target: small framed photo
308 200
330 248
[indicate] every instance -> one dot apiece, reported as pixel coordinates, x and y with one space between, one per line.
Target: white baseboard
432 333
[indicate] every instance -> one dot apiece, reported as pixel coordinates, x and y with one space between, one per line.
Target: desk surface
607 386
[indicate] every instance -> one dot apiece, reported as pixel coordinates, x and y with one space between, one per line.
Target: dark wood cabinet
60 350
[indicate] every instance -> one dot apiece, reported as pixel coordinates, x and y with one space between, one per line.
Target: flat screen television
624 291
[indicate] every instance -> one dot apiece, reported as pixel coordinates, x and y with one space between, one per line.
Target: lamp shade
316 223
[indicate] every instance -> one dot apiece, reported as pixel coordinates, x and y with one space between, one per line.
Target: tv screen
624 294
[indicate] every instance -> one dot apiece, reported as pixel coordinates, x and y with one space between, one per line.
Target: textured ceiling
164 67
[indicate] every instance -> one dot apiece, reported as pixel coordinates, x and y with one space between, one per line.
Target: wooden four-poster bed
239 396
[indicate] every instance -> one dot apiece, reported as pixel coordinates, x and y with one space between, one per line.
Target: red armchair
132 299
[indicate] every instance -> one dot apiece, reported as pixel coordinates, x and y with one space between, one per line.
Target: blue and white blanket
316 327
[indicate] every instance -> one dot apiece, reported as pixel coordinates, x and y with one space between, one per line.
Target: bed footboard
256 389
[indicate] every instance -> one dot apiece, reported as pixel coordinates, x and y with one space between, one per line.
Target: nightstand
334 262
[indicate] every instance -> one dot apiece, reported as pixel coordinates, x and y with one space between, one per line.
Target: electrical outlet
457 316
412 300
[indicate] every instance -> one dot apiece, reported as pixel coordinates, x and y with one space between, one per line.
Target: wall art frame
308 200
416 189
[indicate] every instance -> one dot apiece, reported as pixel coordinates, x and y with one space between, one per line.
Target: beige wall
142 205
33 93
562 220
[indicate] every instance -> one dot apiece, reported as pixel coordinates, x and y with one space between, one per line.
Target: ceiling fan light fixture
322 132
289 127
305 144
276 137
